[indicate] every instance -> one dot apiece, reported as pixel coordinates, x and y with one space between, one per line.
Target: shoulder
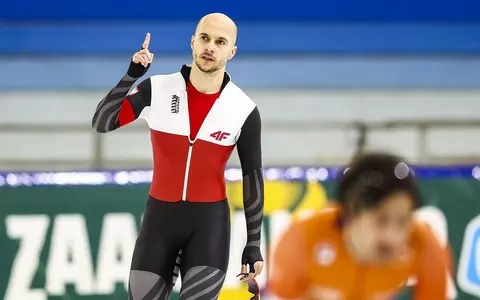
175 79
423 238
431 259
235 92
328 219
420 232
321 225
239 107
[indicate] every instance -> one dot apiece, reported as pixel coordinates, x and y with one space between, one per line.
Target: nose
392 236
211 47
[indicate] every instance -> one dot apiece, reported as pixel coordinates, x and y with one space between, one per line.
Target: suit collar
186 69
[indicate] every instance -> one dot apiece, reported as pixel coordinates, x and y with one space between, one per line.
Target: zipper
187 170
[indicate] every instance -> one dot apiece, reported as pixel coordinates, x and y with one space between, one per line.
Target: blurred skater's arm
432 270
289 267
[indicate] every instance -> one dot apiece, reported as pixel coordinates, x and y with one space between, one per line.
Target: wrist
136 70
253 243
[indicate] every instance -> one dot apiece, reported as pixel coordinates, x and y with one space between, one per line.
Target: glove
136 70
252 258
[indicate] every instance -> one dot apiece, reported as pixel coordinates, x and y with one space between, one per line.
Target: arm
432 270
118 107
250 154
289 266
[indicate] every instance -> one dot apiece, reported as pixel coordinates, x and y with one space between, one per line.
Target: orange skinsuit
311 262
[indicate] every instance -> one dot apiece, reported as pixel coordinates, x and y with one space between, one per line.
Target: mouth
385 251
207 57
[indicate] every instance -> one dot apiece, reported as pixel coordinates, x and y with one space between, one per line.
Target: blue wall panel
254 38
72 35
252 72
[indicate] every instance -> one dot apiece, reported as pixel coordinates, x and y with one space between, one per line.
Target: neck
207 83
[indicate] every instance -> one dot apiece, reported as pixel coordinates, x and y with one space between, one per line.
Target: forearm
105 118
253 202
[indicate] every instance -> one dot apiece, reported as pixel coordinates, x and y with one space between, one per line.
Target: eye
203 37
221 42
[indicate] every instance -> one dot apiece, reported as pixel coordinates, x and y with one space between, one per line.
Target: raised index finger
146 42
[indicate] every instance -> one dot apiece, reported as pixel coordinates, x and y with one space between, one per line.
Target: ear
192 39
233 52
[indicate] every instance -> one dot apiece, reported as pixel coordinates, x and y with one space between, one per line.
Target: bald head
213 43
221 22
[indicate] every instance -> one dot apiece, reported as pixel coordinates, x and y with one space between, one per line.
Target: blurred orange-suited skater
367 245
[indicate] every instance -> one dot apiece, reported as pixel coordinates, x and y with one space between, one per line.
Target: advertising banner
71 235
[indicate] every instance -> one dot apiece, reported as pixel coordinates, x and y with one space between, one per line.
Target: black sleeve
249 147
105 118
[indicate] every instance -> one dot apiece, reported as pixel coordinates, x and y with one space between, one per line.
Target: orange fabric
311 262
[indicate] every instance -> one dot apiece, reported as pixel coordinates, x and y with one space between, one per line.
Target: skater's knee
144 285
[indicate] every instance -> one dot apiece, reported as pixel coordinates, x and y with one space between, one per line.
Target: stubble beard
208 70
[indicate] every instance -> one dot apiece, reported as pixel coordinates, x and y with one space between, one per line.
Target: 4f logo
219 135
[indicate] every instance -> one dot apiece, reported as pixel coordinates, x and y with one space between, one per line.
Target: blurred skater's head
213 43
379 196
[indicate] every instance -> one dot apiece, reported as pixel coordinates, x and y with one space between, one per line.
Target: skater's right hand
144 56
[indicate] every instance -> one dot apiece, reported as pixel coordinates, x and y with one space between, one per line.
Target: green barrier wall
70 236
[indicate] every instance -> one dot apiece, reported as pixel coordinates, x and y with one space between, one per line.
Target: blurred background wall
334 75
